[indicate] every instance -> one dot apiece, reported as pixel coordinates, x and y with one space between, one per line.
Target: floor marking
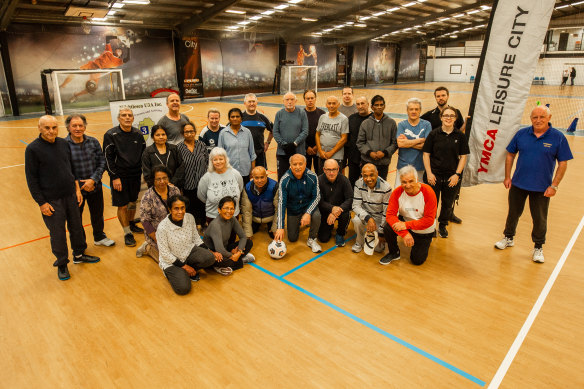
315 258
45 237
6 167
534 311
23 142
374 328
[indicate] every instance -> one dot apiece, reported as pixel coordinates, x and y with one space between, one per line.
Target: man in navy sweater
299 195
50 179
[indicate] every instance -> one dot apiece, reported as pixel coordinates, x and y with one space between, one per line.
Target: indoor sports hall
471 316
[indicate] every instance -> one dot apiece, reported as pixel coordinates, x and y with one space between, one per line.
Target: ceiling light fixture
459 15
578 3
282 6
310 20
131 21
360 25
379 13
432 22
268 12
393 9
118 5
409 4
256 17
365 18
474 11
444 19
244 23
294 1
235 11
485 7
562 6
99 19
141 2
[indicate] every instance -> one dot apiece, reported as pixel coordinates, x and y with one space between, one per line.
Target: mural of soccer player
300 56
115 54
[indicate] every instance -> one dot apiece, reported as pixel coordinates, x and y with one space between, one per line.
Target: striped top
371 202
195 163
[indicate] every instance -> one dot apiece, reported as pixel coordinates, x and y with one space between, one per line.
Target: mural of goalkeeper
116 53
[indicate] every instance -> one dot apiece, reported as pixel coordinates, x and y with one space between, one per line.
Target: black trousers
226 262
199 258
420 248
255 227
325 230
94 202
538 205
66 215
261 160
448 194
196 207
354 172
283 165
312 161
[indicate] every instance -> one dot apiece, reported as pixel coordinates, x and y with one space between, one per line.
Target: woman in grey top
218 237
221 180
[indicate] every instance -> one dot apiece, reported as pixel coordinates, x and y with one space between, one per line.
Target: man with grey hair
290 132
49 175
257 123
88 167
539 147
123 146
411 135
410 214
299 197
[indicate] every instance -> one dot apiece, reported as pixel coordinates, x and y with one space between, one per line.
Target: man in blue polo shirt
539 147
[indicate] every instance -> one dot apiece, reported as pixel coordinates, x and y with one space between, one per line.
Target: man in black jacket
50 179
335 203
123 146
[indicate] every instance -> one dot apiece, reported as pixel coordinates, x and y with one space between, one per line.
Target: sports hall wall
150 60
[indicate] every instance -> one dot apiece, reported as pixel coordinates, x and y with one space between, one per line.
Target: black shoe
135 228
442 231
271 234
84 258
455 219
63 273
434 234
389 258
195 278
129 240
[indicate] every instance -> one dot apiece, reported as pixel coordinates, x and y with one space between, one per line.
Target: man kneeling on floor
410 214
259 203
299 195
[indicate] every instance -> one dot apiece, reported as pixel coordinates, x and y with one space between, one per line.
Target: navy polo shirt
537 157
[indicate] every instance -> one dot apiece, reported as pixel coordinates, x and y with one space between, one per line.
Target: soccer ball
277 249
91 86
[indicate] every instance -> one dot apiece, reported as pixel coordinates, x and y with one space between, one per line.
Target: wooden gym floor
332 320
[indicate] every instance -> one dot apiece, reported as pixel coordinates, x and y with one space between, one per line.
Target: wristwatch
459 175
554 187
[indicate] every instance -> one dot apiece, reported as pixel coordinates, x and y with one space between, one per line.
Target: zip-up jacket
297 195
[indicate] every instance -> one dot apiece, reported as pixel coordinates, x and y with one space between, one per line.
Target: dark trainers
135 228
455 219
84 258
63 273
339 240
389 258
442 231
195 278
129 240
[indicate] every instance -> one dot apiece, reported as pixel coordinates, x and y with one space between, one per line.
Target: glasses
449 116
161 179
331 170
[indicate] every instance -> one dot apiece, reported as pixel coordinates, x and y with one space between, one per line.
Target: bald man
332 133
50 179
290 132
259 203
173 121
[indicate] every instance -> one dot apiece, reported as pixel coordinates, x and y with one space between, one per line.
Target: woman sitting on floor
154 208
218 237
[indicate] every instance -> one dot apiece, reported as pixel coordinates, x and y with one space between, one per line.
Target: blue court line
23 142
375 328
314 258
106 186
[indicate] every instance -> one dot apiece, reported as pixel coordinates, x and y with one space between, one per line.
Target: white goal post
310 82
57 89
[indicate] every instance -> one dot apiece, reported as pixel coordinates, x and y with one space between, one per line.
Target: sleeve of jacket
393 144
276 130
282 201
276 203
99 162
109 151
246 214
315 193
32 176
358 204
362 145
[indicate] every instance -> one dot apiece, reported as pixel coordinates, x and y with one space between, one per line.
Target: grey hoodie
377 136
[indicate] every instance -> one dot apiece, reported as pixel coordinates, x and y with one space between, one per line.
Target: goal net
295 78
76 90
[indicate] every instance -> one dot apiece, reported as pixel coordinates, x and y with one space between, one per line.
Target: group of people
571 73
202 185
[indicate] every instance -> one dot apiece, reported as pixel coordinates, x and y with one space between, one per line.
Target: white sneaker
141 250
504 243
313 244
380 247
357 248
538 255
107 242
249 258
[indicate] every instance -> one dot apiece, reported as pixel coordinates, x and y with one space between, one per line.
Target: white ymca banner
147 112
517 31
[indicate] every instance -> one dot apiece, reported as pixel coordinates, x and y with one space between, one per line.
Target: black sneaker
455 219
389 258
129 240
442 231
84 258
63 273
195 278
271 234
135 228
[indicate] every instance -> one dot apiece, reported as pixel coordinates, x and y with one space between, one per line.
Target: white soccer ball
277 249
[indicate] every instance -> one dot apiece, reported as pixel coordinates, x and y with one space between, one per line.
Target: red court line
45 237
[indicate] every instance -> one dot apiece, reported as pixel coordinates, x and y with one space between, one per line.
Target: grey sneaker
141 250
107 242
313 244
249 258
389 258
224 271
357 248
504 243
538 255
